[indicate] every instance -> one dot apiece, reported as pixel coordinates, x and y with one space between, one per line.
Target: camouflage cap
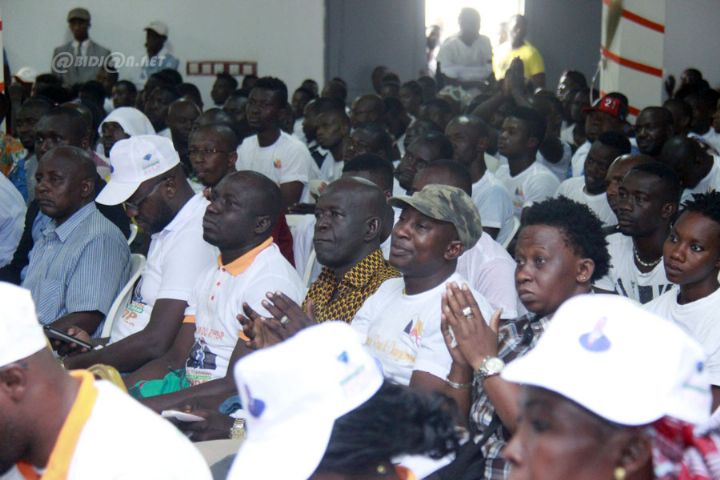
447 204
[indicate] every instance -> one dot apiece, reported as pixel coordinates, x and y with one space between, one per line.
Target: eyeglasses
136 204
203 152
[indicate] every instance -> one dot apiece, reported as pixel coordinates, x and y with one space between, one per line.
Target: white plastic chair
137 262
133 233
515 228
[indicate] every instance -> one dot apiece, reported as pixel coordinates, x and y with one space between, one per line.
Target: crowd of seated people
510 282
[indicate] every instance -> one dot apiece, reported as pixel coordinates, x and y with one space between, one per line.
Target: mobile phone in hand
56 334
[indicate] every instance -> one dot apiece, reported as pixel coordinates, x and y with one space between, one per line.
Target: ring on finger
467 312
284 320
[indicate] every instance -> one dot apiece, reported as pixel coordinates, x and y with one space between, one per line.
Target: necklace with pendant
645 264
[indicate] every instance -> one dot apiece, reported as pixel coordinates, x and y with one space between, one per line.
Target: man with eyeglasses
213 153
148 178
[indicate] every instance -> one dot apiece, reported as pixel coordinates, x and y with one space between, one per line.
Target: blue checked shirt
516 338
78 266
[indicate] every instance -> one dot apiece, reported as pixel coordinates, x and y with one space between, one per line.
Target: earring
620 473
381 469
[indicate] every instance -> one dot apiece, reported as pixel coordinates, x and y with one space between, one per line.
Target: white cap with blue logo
293 393
619 361
133 161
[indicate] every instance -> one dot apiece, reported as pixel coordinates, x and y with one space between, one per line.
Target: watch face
494 365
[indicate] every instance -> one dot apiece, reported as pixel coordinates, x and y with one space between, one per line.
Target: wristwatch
489 367
237 431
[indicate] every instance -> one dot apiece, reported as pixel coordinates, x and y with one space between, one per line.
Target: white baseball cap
619 361
133 161
26 75
294 392
158 27
20 333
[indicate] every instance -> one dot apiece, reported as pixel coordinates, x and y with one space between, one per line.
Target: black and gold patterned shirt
335 300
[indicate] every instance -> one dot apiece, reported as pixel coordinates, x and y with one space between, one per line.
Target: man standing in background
79 60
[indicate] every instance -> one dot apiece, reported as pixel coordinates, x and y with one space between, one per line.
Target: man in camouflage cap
401 321
446 204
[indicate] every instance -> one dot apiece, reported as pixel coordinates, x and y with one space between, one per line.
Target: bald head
443 172
688 159
65 182
367 109
74 160
352 220
213 115
223 134
617 170
266 196
366 194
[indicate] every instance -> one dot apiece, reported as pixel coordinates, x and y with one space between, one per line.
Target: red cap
611 105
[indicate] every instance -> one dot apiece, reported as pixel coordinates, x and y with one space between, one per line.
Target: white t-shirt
561 168
711 182
574 189
711 137
12 219
287 160
403 331
466 62
123 439
578 159
177 257
330 169
494 204
385 246
534 184
625 278
218 297
490 270
298 131
698 319
567 133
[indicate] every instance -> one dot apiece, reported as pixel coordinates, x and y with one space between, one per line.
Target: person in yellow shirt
517 46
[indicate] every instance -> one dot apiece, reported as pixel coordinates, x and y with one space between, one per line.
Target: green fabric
172 382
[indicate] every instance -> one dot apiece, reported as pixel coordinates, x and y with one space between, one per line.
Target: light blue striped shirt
78 266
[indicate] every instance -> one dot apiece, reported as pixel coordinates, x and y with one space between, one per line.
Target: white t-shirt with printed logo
698 319
218 298
287 160
403 331
494 204
625 278
177 256
574 189
534 184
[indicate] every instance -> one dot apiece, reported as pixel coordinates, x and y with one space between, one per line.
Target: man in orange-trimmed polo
59 425
243 210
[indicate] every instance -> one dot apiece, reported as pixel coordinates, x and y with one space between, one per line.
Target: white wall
285 37
692 38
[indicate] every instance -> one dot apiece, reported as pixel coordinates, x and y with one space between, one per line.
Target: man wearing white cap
84 56
602 400
158 57
148 178
70 435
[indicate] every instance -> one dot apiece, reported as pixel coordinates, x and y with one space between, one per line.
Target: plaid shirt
341 300
516 338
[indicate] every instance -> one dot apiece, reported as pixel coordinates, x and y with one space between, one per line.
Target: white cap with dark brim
133 161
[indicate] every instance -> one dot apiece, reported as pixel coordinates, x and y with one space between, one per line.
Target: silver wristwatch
489 367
